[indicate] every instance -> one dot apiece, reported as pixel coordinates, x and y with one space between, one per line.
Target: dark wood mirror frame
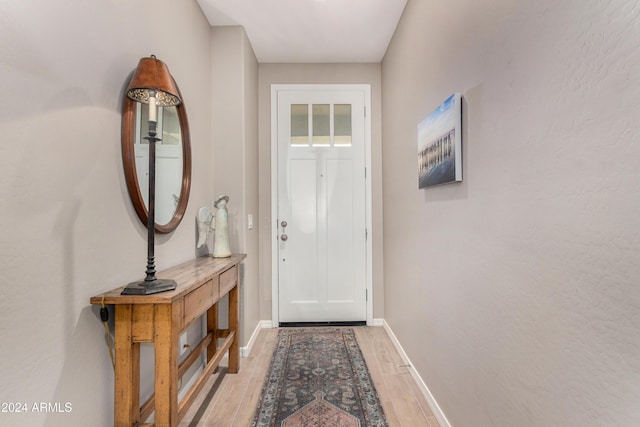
129 163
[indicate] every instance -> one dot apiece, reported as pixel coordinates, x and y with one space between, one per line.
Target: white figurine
221 244
219 222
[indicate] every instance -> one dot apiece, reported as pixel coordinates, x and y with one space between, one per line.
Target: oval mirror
173 162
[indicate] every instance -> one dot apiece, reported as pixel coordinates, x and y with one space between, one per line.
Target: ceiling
311 31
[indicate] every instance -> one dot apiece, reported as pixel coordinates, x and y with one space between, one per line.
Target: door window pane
321 125
170 126
299 124
342 125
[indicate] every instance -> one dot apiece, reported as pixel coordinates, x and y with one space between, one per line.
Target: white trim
368 202
377 322
366 90
262 324
274 205
435 408
267 324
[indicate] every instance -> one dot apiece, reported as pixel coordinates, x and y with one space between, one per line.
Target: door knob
284 237
284 224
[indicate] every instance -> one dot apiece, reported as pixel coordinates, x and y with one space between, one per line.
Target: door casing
275 90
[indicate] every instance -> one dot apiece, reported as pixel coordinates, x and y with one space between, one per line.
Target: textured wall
515 293
69 230
235 156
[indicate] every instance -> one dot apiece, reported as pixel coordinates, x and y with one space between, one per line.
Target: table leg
234 321
212 327
127 370
166 366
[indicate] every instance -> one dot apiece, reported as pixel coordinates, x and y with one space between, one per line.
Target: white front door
321 206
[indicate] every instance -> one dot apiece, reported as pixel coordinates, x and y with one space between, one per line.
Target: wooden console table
160 318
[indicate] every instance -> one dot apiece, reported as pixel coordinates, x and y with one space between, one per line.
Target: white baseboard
245 351
377 322
435 408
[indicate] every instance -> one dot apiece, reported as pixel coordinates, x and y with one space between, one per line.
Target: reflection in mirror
173 162
168 160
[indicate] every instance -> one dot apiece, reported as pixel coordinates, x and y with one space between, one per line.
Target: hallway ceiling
321 31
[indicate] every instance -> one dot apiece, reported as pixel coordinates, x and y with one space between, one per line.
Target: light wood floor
232 398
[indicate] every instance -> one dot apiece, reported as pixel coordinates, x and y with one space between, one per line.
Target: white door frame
366 91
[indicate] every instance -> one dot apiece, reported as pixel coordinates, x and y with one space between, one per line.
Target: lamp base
147 288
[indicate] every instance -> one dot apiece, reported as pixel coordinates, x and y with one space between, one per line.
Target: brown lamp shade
153 75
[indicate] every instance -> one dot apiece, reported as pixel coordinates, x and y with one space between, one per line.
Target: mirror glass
173 162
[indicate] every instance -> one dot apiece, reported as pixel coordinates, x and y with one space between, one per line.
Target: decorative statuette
219 222
221 244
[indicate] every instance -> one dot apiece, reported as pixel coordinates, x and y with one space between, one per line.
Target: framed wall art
440 144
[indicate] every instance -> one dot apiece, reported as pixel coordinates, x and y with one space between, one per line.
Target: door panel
301 230
321 199
340 226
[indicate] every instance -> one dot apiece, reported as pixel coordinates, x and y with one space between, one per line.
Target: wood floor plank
406 407
390 379
418 392
242 390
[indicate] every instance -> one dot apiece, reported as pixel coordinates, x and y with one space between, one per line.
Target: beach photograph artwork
440 144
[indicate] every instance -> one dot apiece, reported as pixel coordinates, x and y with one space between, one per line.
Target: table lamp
152 84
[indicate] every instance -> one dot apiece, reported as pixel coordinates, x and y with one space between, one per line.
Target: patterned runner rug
318 378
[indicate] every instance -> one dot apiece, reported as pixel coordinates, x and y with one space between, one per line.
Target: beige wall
235 155
515 293
270 74
69 230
